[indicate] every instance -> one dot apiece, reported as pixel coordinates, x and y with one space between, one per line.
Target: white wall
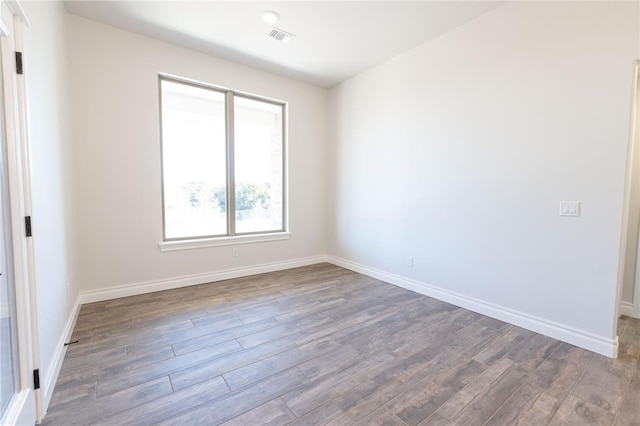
114 91
46 77
459 151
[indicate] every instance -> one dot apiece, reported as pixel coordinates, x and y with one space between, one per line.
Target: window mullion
231 181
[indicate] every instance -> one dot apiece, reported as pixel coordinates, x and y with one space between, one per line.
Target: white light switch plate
570 208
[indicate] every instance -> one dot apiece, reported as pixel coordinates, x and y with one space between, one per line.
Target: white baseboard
627 309
188 280
599 344
52 374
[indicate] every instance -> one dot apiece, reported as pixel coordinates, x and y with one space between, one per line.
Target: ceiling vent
280 35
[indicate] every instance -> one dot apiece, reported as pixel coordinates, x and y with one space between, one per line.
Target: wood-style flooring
324 345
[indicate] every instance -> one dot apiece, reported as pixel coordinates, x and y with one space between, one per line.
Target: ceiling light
270 17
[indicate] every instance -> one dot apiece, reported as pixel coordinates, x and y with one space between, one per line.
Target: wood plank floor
323 345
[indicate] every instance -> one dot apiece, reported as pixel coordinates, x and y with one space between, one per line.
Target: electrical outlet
68 289
410 262
234 252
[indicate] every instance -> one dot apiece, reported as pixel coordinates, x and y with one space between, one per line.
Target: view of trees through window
204 164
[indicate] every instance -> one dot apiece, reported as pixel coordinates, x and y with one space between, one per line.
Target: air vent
280 35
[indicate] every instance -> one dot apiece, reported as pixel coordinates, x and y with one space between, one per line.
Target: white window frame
232 237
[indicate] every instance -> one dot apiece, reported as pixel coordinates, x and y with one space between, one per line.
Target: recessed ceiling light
270 17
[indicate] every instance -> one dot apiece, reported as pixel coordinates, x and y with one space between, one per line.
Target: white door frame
635 186
20 23
26 407
631 191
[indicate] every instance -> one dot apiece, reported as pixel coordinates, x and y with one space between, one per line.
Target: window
222 162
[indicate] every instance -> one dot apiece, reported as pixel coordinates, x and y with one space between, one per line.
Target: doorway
630 292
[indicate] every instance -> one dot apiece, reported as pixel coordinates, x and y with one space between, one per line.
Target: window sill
222 241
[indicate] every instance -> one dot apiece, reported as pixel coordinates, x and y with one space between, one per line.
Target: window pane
8 342
258 165
194 161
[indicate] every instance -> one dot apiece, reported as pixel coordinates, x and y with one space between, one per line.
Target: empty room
320 212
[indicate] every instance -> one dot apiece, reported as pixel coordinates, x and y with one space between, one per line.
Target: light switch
570 208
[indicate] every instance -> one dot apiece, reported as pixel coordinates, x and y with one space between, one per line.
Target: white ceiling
334 40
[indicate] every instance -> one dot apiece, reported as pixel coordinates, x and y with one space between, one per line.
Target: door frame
26 407
634 188
629 269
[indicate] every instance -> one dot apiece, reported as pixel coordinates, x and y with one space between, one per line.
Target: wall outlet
234 252
68 289
410 262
